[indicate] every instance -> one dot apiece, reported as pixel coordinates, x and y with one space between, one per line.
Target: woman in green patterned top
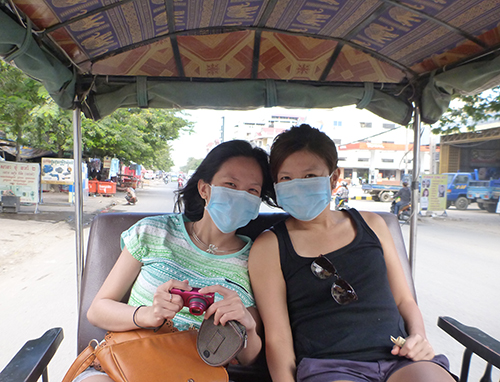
196 249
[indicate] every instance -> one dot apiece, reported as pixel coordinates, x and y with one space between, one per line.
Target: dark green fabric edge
37 62
246 95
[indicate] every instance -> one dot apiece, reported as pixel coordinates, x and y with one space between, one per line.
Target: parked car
149 175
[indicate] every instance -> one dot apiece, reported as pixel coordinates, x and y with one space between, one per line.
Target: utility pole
406 153
222 131
432 152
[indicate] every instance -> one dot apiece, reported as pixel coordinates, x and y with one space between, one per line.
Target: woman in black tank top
331 317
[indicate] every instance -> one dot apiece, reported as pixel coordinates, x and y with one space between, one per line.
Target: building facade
370 149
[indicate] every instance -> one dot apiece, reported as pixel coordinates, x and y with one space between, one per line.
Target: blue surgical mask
231 209
304 199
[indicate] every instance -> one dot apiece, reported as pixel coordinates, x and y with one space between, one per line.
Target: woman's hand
416 348
229 308
165 304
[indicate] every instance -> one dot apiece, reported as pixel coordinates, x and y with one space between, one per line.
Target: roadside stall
130 176
19 183
101 182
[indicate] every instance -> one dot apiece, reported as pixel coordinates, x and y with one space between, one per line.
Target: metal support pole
414 188
77 157
222 131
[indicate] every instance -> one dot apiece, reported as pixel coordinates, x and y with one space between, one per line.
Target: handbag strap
81 363
87 357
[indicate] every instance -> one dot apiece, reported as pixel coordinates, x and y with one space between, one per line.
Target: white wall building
369 147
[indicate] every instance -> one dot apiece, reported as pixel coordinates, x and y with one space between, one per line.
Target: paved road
456 273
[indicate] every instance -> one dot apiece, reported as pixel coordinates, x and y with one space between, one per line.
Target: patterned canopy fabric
399 47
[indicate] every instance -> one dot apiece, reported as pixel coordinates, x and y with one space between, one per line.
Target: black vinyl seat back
104 249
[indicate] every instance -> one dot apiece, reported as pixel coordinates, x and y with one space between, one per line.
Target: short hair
298 138
189 199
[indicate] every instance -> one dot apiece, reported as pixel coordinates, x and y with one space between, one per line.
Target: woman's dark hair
189 199
303 137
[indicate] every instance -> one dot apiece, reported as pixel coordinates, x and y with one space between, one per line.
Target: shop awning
26 152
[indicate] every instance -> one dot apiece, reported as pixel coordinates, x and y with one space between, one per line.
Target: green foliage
468 111
30 117
19 94
192 164
137 135
52 127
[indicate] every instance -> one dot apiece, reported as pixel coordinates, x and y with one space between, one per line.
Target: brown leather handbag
146 356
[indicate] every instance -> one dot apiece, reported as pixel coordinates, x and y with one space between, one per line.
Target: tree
138 135
52 127
192 164
467 111
19 94
29 116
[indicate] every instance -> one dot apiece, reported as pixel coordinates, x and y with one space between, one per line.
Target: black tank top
322 328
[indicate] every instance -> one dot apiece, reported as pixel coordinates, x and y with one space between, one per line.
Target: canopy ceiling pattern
235 54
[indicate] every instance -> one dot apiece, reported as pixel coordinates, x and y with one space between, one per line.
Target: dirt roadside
37 274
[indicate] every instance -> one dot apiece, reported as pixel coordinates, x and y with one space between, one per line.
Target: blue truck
486 193
457 190
380 192
458 184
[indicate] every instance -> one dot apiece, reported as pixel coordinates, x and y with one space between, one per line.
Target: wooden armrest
32 360
473 339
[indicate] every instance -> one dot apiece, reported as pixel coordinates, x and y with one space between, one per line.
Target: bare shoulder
264 240
264 247
377 224
373 220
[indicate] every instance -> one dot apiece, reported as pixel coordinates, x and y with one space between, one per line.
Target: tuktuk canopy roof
382 55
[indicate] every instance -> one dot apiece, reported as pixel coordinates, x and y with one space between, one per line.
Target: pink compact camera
196 302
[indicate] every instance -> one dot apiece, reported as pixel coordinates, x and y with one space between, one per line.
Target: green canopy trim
18 46
471 78
242 95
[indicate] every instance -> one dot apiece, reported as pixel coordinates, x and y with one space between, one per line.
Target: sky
207 128
208 123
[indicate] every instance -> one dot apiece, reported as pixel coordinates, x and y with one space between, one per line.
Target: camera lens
197 306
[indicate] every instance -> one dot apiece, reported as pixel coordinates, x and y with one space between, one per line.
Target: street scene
111 107
456 270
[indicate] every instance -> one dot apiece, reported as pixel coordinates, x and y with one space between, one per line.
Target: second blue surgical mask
231 209
304 199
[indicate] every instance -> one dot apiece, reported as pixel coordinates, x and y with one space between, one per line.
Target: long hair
189 199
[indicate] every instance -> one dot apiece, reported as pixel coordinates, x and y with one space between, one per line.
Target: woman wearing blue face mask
329 285
196 249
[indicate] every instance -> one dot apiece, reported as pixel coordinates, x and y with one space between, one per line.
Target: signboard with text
22 179
433 192
57 171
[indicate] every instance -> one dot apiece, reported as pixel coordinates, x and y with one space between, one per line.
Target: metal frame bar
414 188
77 157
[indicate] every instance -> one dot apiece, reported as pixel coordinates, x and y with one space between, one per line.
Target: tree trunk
18 145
